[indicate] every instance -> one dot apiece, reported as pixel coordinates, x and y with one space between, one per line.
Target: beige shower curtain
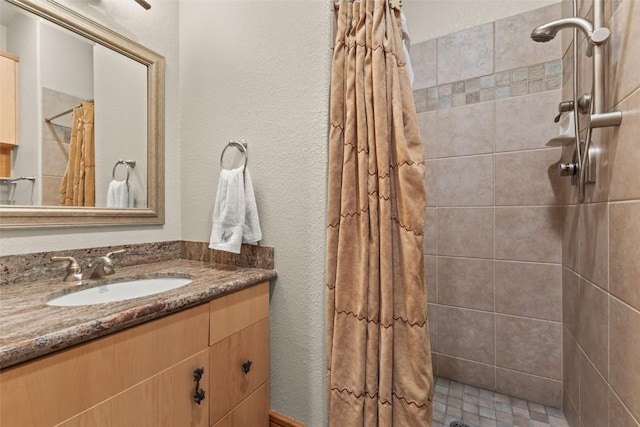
379 360
78 186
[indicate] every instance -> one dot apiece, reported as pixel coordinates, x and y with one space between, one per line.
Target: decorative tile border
505 84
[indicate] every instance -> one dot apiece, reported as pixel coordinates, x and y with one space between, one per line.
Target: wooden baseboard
278 420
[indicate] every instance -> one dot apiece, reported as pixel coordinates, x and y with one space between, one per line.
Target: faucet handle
121 251
74 271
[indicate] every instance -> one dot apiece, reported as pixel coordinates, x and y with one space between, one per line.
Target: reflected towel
235 214
118 194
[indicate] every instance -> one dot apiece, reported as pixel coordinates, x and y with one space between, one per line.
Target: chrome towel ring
128 164
241 146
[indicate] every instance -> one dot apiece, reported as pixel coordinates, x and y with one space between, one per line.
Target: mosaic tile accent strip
505 84
476 407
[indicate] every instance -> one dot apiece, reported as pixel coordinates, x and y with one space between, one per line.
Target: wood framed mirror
126 91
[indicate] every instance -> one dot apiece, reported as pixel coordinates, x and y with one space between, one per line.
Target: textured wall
260 71
601 291
157 29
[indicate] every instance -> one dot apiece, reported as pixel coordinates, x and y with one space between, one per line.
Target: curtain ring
241 146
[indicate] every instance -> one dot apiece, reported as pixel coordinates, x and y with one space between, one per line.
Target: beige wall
260 71
486 98
601 291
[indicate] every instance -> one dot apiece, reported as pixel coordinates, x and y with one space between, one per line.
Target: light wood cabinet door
251 412
239 365
8 110
54 388
167 399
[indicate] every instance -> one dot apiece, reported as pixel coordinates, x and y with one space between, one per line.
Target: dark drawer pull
199 393
246 366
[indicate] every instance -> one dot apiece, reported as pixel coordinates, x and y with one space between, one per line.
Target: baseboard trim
279 420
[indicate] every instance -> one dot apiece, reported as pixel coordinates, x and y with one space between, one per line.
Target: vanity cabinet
239 359
8 110
144 376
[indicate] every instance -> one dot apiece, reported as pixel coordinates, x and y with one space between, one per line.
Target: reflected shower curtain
78 186
379 360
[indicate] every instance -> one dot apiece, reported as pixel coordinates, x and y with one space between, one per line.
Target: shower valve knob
568 169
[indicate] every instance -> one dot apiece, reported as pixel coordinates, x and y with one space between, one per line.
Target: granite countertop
29 328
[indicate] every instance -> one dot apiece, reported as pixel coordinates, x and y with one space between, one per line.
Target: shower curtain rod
48 120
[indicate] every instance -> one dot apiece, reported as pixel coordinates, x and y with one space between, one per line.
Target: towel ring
241 146
128 164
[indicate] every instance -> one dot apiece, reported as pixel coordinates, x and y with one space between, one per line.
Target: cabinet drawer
166 399
229 383
54 388
251 412
236 311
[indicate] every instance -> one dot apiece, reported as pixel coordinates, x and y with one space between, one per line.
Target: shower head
548 31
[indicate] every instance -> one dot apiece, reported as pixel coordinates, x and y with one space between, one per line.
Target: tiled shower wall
486 99
601 249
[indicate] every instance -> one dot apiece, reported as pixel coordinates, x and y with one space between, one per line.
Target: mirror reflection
74 118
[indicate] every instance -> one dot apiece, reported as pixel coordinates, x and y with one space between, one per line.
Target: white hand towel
251 233
228 212
118 194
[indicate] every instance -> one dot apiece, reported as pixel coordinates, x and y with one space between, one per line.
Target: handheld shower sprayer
548 31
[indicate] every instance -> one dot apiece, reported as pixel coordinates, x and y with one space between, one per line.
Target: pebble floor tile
475 407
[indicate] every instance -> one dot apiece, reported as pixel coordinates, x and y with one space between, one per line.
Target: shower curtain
78 183
379 360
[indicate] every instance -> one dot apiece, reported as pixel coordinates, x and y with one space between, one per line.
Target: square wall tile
526 122
465 181
431 276
529 234
529 290
423 62
571 237
529 345
465 54
570 300
466 282
427 123
571 367
623 152
467 372
624 354
467 334
624 251
466 232
431 232
528 178
431 178
514 46
570 411
535 389
466 130
433 326
594 395
594 245
593 325
618 414
624 44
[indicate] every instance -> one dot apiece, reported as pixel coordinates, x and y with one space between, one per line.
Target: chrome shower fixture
548 31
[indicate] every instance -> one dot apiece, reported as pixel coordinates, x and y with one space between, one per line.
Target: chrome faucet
97 268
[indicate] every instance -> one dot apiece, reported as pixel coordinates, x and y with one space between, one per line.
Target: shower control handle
563 107
568 169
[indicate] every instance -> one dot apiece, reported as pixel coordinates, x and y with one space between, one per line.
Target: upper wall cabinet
8 111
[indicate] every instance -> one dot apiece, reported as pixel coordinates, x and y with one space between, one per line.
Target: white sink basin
119 291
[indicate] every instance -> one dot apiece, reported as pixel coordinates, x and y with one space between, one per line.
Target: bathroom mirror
124 85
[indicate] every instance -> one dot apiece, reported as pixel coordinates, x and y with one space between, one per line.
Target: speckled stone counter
29 328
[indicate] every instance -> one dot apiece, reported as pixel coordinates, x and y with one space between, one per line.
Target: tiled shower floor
476 407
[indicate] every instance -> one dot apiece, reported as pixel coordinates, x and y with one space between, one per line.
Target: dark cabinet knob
246 366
